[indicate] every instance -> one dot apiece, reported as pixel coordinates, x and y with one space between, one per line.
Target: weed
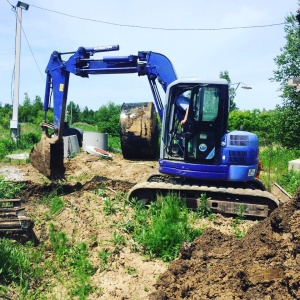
10 190
120 197
83 177
212 217
59 243
239 233
109 207
118 240
130 271
203 208
163 227
17 264
128 226
290 181
47 198
241 212
101 191
75 260
56 205
275 161
81 269
104 256
72 155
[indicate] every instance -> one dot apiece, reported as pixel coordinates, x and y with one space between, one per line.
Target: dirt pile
264 265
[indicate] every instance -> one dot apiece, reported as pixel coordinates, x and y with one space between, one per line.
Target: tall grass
16 265
162 227
85 126
275 161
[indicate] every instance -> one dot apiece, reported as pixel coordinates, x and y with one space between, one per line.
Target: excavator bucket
47 156
139 131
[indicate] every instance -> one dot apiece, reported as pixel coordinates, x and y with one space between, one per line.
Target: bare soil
217 265
263 265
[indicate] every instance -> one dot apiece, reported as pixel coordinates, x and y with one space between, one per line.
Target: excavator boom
47 155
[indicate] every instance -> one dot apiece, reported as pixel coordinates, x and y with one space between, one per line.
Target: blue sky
247 54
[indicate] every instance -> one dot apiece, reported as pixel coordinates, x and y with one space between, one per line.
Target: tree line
267 124
106 118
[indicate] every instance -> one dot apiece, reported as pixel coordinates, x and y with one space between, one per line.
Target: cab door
208 115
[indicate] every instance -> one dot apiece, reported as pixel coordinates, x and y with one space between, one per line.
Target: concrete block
71 145
294 164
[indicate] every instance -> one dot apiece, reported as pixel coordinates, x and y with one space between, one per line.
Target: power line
158 28
12 7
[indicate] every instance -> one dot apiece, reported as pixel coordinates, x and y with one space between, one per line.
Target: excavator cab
198 140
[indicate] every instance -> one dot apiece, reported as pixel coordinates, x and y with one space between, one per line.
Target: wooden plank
12 216
281 194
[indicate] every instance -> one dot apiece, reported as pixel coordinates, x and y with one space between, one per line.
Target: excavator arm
47 155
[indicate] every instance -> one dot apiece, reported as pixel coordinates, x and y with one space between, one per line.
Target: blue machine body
238 162
202 149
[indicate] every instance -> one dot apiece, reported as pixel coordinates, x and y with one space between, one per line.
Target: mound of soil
264 265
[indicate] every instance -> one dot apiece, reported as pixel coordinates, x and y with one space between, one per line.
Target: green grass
85 126
275 161
290 181
16 265
162 227
9 190
74 259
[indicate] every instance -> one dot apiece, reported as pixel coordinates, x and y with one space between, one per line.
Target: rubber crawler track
224 200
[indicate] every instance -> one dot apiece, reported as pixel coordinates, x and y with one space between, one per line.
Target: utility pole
14 123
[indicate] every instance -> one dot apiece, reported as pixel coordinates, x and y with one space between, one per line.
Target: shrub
6 147
27 140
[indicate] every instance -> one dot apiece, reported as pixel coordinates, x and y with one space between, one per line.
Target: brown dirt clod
263 265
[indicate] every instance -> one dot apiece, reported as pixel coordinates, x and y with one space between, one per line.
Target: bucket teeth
47 156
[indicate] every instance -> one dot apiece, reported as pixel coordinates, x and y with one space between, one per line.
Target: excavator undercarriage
221 197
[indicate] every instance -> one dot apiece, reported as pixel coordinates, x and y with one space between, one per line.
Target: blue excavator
197 154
